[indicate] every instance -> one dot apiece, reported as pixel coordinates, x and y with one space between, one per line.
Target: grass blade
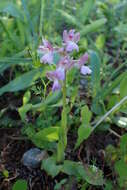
71 19
93 27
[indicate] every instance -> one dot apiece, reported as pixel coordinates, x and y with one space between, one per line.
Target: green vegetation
83 125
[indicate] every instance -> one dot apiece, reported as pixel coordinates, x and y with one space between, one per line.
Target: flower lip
47 55
66 63
46 52
47 44
71 46
47 58
83 59
85 70
58 74
56 86
70 40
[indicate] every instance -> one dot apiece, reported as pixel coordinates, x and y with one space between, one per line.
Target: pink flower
80 64
66 63
70 40
83 59
85 70
46 52
47 58
56 76
56 85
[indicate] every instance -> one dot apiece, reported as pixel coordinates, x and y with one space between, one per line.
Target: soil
13 146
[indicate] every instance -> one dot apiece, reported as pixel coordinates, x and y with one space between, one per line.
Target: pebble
33 157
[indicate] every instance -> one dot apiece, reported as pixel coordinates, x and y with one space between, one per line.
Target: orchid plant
58 75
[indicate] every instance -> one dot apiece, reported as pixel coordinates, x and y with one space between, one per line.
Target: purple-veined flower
66 63
83 59
70 40
47 52
56 85
83 69
56 76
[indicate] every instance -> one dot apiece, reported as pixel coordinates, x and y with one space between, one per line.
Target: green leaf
74 95
49 134
100 41
12 9
114 99
50 146
124 109
8 62
74 169
26 97
71 19
53 98
84 130
86 9
50 101
5 173
29 130
21 82
50 166
23 110
28 17
110 86
20 185
123 144
71 75
120 121
108 185
86 115
98 106
59 185
95 63
94 175
91 174
121 169
93 27
123 88
83 134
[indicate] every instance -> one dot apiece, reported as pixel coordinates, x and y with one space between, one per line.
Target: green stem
63 130
45 88
64 95
64 116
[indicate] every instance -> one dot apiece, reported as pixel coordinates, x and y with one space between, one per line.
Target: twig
108 113
17 138
79 152
114 133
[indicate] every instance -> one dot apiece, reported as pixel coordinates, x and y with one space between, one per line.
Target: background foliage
25 92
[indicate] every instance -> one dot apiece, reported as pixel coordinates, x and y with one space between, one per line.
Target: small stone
33 157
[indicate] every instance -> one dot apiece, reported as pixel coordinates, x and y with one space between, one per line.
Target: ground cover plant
63 94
